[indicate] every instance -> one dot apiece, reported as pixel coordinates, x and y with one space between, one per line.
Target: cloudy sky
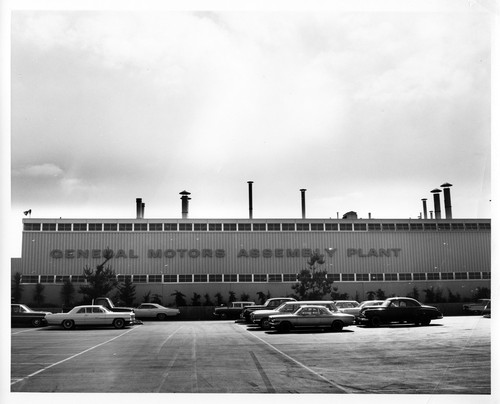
369 111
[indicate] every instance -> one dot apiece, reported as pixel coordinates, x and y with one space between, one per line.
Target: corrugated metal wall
418 251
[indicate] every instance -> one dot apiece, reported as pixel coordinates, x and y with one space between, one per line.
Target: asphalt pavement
452 356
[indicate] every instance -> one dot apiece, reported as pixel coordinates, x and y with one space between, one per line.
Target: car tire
337 326
68 324
375 321
36 322
118 323
424 321
264 324
223 316
161 316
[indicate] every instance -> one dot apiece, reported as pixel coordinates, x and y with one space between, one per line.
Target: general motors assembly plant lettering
222 253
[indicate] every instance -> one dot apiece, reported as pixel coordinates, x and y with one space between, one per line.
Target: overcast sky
369 111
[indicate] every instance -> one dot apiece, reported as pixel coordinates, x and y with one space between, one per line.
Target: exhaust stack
303 200
437 203
447 200
424 202
185 203
250 201
139 207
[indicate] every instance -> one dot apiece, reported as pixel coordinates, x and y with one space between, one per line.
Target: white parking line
20 332
69 358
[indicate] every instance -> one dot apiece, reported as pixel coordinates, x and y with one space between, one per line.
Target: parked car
90 315
356 310
270 304
153 310
347 306
311 316
232 311
23 315
476 307
261 317
399 310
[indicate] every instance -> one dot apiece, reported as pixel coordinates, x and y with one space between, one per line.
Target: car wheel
118 323
161 316
36 322
337 325
264 324
375 321
223 316
424 321
68 324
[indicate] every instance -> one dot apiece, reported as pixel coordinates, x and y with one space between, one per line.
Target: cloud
37 171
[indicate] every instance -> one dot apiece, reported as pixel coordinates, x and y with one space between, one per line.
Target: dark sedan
399 310
23 315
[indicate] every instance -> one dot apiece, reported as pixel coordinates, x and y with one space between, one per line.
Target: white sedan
153 310
90 315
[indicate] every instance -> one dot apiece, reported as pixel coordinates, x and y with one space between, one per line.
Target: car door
81 317
324 318
305 317
393 312
97 316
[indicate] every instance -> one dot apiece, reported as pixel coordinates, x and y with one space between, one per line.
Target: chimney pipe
138 206
185 203
303 200
437 203
447 200
142 210
250 201
430 213
424 202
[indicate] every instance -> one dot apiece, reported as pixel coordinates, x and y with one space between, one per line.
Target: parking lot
451 356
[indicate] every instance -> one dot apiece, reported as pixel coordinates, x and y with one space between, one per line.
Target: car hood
264 312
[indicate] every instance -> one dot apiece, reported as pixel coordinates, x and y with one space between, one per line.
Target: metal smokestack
250 201
142 210
437 203
303 200
447 200
185 203
138 207
424 202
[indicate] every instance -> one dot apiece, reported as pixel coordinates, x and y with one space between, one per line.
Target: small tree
100 282
313 283
67 292
179 298
195 300
16 288
380 294
219 300
244 297
126 292
146 298
370 295
208 301
232 296
261 297
38 296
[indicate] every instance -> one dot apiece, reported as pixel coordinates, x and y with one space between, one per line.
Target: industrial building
251 255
